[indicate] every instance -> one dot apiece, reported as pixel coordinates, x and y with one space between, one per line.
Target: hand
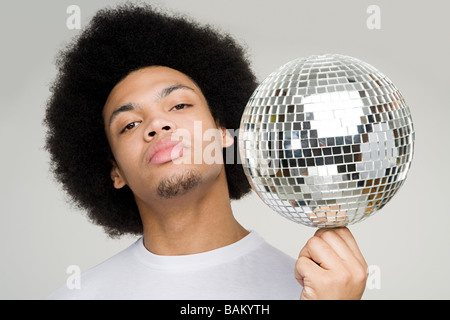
330 266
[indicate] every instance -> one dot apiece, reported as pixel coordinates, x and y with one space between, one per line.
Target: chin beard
178 184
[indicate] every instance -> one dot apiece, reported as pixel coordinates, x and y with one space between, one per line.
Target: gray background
41 234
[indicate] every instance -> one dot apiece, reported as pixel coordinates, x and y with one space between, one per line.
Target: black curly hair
116 42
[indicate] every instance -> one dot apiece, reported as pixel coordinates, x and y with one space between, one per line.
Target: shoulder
94 281
274 256
278 271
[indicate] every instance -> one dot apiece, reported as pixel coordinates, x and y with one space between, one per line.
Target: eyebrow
161 95
166 91
124 108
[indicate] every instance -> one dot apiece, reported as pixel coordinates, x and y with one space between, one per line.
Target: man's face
153 120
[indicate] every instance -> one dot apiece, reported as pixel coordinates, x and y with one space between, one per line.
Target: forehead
146 82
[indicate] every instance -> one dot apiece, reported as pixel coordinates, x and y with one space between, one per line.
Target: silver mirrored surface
326 140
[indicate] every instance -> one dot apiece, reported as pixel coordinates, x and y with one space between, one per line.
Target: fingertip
337 230
320 231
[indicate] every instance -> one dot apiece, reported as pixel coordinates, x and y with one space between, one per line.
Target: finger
347 236
306 273
305 269
321 253
334 240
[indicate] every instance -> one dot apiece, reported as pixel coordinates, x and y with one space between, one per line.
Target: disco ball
326 140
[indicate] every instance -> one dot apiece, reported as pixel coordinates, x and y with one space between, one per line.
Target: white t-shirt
247 269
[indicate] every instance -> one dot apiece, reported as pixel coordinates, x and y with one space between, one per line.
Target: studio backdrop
45 240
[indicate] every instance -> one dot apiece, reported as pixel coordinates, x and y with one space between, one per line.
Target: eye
130 126
181 106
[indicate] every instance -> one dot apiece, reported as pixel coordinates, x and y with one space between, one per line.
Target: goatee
179 184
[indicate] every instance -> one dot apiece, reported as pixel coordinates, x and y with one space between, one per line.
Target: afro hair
116 42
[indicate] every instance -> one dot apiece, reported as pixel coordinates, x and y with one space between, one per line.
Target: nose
165 128
159 127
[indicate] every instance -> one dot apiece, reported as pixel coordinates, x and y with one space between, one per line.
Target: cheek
128 156
204 138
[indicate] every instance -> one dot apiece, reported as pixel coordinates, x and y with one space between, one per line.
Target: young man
136 95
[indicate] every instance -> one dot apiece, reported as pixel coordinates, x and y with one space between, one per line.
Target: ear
116 176
227 138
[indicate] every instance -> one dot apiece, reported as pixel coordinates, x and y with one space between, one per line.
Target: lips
164 150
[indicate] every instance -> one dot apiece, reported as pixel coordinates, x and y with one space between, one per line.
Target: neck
198 221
